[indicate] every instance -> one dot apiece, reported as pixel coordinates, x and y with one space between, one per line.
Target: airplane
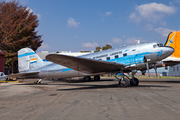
124 59
173 40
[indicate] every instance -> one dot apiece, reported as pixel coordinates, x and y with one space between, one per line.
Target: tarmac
153 99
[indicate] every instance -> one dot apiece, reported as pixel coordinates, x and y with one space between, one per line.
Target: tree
17 30
97 49
107 47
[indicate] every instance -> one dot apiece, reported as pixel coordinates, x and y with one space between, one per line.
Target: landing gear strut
124 82
134 81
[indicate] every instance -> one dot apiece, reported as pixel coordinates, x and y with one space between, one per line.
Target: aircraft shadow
160 81
105 87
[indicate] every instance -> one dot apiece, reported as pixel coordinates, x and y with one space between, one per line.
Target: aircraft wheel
87 78
124 83
135 83
96 77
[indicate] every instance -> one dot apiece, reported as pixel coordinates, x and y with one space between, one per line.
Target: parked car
2 76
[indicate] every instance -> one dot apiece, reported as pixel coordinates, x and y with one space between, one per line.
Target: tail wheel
96 77
87 78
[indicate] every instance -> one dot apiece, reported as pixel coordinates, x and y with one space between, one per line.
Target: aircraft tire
135 83
96 77
124 83
87 78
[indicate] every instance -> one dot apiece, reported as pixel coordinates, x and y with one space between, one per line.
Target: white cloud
149 27
109 13
152 12
90 45
39 16
31 11
177 1
44 47
116 40
72 23
163 31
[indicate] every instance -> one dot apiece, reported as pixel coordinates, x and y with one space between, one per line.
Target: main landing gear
124 82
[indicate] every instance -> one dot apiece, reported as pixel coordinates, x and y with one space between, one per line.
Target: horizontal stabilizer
85 65
171 61
24 75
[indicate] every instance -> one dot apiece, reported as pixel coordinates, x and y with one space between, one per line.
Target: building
174 71
2 61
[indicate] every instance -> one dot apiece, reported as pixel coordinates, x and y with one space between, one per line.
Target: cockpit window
154 46
160 45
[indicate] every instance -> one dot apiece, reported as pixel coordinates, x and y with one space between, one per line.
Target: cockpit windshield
160 45
157 45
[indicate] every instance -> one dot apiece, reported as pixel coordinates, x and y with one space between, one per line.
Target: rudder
28 60
173 40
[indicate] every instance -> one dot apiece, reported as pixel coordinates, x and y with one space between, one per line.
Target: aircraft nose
168 51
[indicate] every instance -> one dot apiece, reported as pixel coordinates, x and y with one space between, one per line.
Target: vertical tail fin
173 40
28 60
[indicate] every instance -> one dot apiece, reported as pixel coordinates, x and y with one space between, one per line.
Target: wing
23 75
84 64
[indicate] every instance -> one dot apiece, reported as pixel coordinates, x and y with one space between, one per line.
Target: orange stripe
33 59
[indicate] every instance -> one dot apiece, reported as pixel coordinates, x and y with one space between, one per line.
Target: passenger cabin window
116 56
125 54
154 46
108 58
134 50
99 59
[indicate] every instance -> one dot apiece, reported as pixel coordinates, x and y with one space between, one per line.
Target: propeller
147 66
155 70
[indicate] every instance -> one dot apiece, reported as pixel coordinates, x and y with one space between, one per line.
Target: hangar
174 71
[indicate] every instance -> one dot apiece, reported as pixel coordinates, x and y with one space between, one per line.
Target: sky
75 25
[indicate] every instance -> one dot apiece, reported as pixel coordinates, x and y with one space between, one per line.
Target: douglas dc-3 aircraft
123 59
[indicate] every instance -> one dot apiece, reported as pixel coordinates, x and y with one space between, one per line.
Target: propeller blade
147 65
155 70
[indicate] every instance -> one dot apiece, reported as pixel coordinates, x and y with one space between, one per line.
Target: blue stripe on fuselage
26 54
125 62
65 70
33 62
